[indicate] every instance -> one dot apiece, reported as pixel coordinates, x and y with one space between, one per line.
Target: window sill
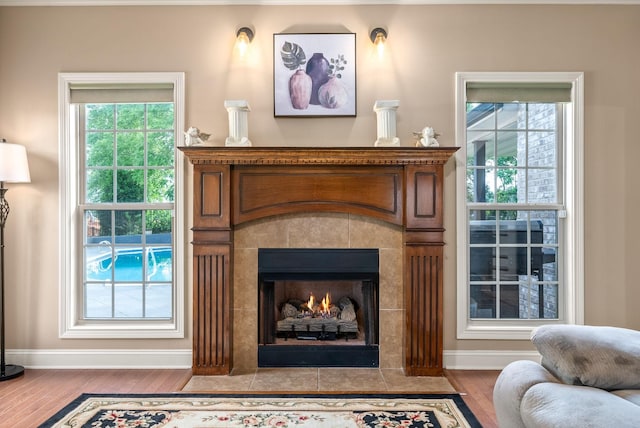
124 331
492 331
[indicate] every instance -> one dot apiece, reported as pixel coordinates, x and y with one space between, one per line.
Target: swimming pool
130 264
128 282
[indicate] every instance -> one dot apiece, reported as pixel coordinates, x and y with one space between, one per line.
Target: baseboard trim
181 358
101 358
485 360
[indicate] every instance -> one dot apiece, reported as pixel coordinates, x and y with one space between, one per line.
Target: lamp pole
7 371
14 168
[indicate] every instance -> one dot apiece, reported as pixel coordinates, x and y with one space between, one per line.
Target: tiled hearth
317 231
324 380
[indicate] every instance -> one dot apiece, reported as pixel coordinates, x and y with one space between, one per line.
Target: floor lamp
14 168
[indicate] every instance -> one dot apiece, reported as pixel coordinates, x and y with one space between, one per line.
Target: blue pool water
115 288
130 265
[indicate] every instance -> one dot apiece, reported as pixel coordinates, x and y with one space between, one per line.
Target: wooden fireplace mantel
199 155
403 186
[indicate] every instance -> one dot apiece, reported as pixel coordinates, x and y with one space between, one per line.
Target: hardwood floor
476 388
31 399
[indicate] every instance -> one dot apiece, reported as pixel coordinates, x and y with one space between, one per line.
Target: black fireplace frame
315 264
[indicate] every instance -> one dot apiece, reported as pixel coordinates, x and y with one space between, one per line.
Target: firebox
318 307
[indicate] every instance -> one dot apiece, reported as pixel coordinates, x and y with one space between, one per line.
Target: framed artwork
314 75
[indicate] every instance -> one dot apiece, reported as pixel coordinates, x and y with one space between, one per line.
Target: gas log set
313 320
318 307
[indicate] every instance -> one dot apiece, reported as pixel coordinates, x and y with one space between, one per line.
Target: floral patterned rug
299 411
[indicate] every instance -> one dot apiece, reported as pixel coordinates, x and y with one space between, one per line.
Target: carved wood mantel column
402 186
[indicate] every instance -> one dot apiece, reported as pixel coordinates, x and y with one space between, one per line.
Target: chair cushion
602 357
569 406
632 395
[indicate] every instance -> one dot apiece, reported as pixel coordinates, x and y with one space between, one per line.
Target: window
519 202
122 235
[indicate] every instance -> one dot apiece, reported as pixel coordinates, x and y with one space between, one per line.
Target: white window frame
71 324
572 310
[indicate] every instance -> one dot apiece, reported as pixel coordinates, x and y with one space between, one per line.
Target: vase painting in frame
314 75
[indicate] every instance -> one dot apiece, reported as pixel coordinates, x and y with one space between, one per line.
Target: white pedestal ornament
238 123
386 116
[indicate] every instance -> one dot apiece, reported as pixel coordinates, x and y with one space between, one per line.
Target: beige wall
427 45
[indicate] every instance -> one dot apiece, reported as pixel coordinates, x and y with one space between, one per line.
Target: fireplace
318 307
234 187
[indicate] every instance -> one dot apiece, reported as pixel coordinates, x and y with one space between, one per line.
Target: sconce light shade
14 167
245 33
378 37
244 36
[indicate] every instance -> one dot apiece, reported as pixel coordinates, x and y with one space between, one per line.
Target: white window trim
70 325
572 311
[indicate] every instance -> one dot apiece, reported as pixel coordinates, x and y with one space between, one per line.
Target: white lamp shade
14 167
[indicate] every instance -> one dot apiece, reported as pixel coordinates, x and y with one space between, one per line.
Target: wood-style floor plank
33 398
477 387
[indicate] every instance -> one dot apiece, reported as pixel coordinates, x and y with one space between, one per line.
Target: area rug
300 411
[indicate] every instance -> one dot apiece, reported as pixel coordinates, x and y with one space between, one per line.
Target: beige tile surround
317 231
324 380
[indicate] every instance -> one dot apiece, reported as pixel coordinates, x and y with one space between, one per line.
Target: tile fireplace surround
250 198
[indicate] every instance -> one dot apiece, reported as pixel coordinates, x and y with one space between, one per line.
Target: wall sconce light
378 37
244 36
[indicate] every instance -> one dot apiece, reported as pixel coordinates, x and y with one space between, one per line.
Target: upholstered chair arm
511 385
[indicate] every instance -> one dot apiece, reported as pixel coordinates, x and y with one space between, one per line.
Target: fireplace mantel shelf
203 155
401 186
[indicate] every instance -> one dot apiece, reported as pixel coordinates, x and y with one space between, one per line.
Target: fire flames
324 306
